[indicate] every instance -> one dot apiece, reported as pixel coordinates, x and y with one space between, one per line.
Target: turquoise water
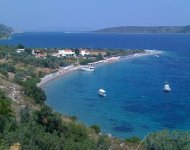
135 103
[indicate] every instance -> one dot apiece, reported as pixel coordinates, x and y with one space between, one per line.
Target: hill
146 29
26 122
5 32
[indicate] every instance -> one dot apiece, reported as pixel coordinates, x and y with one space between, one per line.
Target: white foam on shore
71 68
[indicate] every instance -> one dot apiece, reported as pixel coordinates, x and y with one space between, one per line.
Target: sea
135 104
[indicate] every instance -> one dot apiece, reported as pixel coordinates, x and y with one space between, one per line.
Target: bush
49 62
31 90
133 140
25 115
73 118
5 105
2 54
103 143
85 61
96 128
5 68
174 140
5 111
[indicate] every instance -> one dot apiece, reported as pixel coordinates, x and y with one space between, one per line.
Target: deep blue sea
135 103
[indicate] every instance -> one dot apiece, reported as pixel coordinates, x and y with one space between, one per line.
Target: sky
87 15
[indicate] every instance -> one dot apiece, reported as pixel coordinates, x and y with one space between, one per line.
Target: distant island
5 31
146 29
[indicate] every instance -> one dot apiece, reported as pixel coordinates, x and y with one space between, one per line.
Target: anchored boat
102 92
89 68
166 87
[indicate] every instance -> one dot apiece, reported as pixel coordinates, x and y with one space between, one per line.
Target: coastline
61 72
69 69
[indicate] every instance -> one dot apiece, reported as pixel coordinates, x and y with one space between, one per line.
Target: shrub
5 68
133 140
31 90
174 140
96 128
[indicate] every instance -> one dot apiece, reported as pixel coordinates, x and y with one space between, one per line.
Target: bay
135 103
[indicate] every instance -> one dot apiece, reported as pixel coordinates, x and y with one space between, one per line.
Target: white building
84 52
67 52
20 50
55 54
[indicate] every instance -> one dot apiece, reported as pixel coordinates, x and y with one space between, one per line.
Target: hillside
27 123
5 32
146 29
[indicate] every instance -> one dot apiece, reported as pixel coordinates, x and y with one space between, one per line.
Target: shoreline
69 69
65 70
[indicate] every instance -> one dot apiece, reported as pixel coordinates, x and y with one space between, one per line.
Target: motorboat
88 68
166 87
102 92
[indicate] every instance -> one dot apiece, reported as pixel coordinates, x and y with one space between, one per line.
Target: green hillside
5 32
146 29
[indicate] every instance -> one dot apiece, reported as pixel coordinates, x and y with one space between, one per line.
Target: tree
25 115
3 54
28 51
20 46
5 105
77 51
33 91
5 68
99 57
5 111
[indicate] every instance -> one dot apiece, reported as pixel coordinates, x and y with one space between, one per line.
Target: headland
69 69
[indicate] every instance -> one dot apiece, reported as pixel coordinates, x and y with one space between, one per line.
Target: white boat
102 92
157 55
89 68
166 87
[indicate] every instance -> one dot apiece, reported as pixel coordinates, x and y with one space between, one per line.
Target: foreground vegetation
26 122
44 129
168 140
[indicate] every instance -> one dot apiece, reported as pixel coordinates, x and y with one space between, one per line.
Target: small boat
166 87
89 68
102 92
157 55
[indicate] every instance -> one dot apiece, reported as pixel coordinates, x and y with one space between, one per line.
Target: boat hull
88 69
166 90
102 95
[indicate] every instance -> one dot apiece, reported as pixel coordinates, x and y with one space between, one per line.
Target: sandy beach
65 70
61 72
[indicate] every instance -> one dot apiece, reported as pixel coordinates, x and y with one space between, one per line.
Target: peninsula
146 29
5 31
